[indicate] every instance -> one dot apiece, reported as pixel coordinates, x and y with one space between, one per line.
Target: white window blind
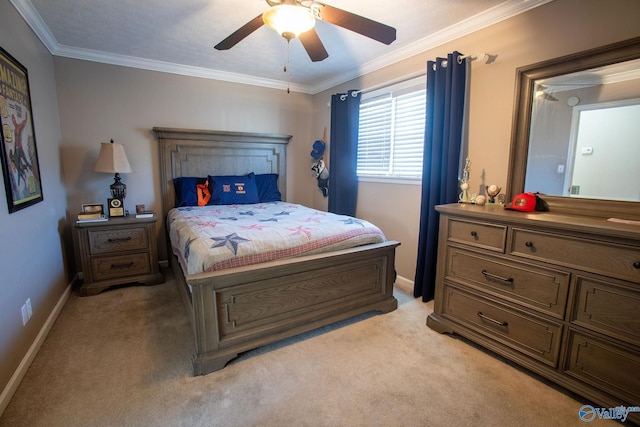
391 133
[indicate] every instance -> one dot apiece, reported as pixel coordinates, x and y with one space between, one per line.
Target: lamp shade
112 159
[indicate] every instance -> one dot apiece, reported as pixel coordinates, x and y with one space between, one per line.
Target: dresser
117 251
556 294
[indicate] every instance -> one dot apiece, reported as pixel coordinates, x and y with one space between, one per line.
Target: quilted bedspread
208 238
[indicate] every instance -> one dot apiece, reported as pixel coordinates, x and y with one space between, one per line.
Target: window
391 132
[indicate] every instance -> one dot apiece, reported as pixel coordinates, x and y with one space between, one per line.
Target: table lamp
113 159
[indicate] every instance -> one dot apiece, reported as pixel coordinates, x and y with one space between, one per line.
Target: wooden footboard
240 309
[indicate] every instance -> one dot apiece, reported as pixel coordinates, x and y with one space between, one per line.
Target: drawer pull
474 234
636 264
528 244
121 239
497 322
496 277
123 265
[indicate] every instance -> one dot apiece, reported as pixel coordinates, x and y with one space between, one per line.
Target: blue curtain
446 87
343 154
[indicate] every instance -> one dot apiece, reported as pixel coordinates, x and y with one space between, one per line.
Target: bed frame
239 309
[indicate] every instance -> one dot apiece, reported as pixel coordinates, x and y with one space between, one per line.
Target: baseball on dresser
492 191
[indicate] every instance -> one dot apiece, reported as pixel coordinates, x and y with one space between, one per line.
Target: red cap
526 202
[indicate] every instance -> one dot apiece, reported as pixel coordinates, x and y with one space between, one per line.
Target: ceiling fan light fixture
288 20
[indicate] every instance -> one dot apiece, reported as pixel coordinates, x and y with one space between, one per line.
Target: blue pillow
267 184
231 190
186 190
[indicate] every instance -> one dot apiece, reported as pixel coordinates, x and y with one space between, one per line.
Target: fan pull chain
288 54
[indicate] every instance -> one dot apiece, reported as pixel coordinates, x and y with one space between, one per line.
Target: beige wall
31 247
98 102
555 29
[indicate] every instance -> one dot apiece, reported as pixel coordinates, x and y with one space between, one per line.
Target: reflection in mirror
583 140
558 102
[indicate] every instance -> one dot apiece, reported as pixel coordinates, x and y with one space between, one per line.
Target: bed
238 308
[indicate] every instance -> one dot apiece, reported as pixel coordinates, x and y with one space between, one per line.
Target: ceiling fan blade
313 45
359 24
240 33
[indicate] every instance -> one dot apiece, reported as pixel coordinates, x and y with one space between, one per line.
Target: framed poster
20 165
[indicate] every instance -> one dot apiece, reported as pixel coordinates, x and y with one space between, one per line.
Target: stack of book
144 214
91 217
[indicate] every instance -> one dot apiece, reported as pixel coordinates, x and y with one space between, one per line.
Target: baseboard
405 284
18 375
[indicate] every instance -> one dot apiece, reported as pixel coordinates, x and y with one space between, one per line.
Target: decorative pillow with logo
231 189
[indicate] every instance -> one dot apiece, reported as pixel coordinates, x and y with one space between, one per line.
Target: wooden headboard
199 153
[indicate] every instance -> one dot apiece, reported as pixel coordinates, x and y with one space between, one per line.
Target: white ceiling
178 36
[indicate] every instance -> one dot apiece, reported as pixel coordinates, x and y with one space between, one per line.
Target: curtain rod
393 82
382 85
485 57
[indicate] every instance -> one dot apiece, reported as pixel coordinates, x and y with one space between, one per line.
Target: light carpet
123 358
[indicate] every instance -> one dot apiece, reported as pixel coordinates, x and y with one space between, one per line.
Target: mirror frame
525 79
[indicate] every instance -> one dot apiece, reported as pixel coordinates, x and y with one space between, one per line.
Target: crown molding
168 67
491 16
34 20
485 19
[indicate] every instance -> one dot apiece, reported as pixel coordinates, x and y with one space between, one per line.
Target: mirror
574 137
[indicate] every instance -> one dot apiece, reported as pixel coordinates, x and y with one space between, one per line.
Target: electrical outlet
29 309
25 314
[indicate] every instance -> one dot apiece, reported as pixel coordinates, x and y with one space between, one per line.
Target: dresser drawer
109 267
109 241
589 255
543 289
605 366
608 308
533 336
478 234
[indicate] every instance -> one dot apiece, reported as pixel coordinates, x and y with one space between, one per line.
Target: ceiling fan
296 18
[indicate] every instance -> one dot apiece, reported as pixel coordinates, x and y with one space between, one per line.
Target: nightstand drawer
539 288
533 336
109 267
113 240
589 255
487 236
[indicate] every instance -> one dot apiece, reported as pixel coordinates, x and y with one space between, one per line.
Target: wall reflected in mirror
584 139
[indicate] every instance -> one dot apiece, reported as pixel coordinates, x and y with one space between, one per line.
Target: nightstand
118 251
